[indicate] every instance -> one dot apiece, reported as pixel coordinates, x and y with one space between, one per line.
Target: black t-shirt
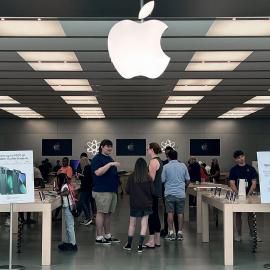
195 172
214 169
243 172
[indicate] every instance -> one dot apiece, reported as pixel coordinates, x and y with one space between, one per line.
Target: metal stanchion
10 266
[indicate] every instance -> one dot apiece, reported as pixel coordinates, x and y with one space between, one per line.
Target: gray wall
250 135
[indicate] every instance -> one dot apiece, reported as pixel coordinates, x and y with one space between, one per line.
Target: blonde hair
83 162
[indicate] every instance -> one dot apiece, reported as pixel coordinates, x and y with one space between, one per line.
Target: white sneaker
238 238
7 223
258 239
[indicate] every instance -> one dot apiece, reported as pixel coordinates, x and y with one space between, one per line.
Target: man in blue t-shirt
105 179
243 171
176 178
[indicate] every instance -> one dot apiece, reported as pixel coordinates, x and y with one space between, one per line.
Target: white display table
250 204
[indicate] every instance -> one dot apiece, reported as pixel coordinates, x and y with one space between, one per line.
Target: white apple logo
135 48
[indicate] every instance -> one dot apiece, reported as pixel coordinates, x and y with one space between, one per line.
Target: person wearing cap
243 171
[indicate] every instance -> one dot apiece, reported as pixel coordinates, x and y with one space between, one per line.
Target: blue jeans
69 220
85 199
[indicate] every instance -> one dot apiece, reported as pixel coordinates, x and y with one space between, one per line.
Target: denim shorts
175 204
140 213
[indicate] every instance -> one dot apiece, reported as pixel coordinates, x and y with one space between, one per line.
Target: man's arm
105 168
233 186
253 186
153 167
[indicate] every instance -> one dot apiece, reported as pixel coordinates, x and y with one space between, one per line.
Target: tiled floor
191 254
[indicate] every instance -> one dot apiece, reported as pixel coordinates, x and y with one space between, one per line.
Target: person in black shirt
215 171
58 166
44 169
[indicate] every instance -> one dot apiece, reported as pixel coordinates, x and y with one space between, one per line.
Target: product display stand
10 266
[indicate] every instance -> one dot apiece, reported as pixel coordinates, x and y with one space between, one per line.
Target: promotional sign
264 175
16 177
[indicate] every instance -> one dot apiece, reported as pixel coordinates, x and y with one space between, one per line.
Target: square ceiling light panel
69 84
7 100
183 99
259 100
89 112
169 112
80 99
217 61
196 84
240 112
52 61
31 28
239 28
22 112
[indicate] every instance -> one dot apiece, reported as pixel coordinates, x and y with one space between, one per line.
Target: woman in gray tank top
155 171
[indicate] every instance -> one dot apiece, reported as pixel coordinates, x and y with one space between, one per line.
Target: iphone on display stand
15 181
40 196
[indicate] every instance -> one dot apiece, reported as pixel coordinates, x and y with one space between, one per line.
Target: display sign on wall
16 177
264 175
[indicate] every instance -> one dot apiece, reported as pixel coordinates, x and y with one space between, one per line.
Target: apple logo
135 48
131 147
56 147
204 147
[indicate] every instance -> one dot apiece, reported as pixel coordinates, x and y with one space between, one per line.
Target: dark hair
58 160
66 158
83 154
140 171
204 164
156 148
62 179
46 159
103 143
169 148
173 155
238 153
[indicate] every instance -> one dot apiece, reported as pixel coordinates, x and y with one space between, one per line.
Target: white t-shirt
65 200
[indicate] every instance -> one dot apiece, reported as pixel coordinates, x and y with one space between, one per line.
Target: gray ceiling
138 97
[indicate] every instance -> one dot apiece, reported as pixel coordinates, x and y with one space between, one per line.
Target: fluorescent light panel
69 84
196 84
80 99
176 112
223 58
259 100
56 66
48 56
22 112
89 112
31 28
240 112
7 100
183 99
240 28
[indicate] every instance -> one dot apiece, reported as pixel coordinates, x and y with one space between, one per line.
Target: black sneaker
127 247
87 222
140 249
163 232
103 241
113 240
64 246
71 247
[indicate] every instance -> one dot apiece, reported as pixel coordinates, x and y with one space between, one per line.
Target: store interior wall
250 135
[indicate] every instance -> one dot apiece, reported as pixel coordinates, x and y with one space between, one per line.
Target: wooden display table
198 191
250 204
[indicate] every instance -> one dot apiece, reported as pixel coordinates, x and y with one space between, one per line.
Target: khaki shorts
105 201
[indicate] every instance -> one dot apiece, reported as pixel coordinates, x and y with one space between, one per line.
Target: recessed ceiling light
196 84
80 99
89 112
49 56
259 100
7 100
169 112
183 99
239 28
56 66
22 112
212 66
62 82
31 28
240 112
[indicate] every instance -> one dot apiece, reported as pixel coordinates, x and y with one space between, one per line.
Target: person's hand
115 164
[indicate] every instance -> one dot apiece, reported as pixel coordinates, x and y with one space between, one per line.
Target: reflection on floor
190 254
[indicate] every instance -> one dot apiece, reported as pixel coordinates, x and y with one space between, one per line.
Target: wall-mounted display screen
130 147
74 164
56 147
205 147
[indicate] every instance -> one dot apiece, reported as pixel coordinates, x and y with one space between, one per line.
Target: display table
198 191
46 209
250 204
